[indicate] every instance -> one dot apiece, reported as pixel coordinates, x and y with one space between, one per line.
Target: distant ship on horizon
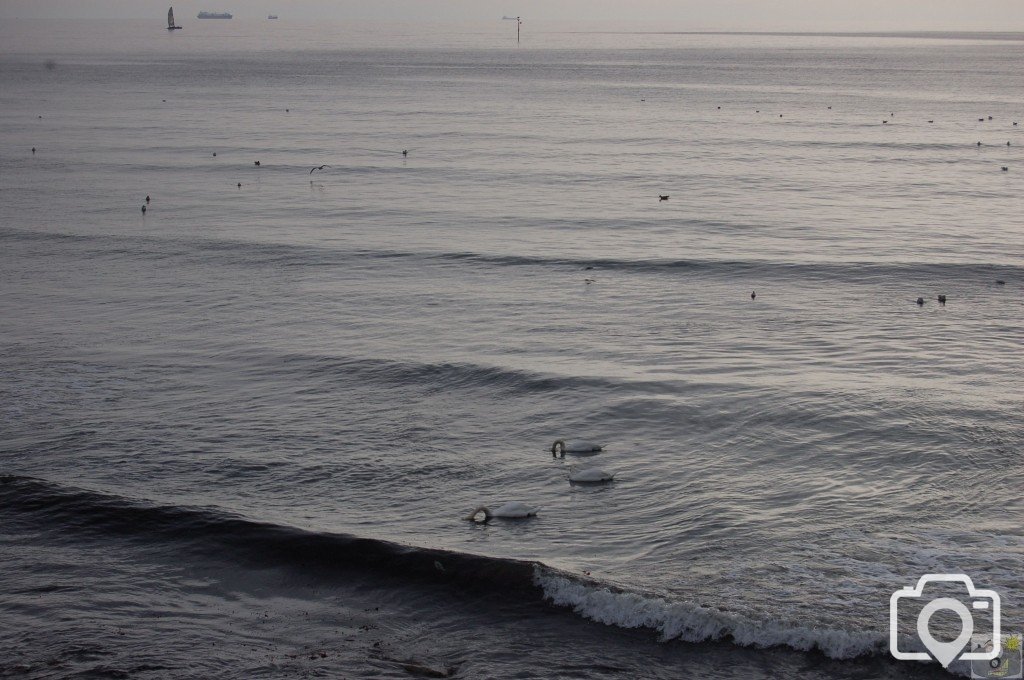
214 15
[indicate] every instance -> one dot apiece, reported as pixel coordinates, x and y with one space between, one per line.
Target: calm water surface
206 407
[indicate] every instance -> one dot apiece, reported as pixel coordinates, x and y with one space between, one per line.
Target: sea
240 431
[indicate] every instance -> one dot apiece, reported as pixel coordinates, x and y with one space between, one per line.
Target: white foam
673 620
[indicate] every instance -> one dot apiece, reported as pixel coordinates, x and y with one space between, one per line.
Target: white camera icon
945 652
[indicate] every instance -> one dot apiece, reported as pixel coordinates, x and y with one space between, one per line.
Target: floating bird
1015 124
719 108
884 122
257 163
1000 282
40 117
214 154
318 168
662 197
981 120
147 198
33 150
143 210
942 299
830 108
1006 169
239 185
780 115
561 447
510 510
589 281
589 475
287 110
931 121
979 143
920 301
753 294
1007 144
588 267
990 117
405 152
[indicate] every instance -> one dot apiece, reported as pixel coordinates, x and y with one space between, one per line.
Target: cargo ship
214 15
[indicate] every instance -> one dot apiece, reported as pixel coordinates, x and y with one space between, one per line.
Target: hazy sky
850 15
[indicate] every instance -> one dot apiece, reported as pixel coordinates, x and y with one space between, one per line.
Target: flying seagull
319 168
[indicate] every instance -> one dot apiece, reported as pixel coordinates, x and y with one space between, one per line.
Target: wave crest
693 623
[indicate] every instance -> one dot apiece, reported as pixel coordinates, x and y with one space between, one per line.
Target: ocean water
239 433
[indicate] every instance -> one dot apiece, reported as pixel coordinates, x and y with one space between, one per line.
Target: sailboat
170 19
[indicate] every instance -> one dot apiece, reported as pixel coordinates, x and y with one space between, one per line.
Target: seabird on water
920 301
662 197
257 163
753 294
143 210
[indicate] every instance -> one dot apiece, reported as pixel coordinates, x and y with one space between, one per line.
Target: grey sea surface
239 432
